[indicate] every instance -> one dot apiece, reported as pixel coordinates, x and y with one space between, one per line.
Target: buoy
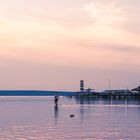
71 116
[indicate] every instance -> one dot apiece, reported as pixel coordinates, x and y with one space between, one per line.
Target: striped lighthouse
82 86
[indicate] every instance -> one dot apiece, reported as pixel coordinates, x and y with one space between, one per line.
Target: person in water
56 98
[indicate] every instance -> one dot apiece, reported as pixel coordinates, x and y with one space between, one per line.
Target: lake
38 118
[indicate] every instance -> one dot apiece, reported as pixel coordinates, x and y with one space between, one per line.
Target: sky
53 44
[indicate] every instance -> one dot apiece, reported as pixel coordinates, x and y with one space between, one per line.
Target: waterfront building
136 90
117 92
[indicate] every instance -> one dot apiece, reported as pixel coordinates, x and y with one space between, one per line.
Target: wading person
56 99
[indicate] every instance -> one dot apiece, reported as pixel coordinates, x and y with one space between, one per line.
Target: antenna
109 84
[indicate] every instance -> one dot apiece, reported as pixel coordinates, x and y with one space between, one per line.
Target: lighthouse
82 86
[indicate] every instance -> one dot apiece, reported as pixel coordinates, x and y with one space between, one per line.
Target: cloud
106 14
132 23
86 38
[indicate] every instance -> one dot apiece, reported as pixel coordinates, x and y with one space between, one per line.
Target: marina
108 93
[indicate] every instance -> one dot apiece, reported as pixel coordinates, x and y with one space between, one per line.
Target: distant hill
34 93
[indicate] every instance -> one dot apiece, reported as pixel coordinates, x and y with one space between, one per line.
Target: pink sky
53 44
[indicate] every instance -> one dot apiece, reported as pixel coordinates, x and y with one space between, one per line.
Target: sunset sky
53 44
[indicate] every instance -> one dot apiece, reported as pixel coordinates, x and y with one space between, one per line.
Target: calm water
37 118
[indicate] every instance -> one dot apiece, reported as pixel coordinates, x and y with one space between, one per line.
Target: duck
72 116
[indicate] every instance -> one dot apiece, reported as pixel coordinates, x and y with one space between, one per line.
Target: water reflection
82 114
112 100
56 113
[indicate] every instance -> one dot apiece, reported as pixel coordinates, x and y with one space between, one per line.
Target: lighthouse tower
82 86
